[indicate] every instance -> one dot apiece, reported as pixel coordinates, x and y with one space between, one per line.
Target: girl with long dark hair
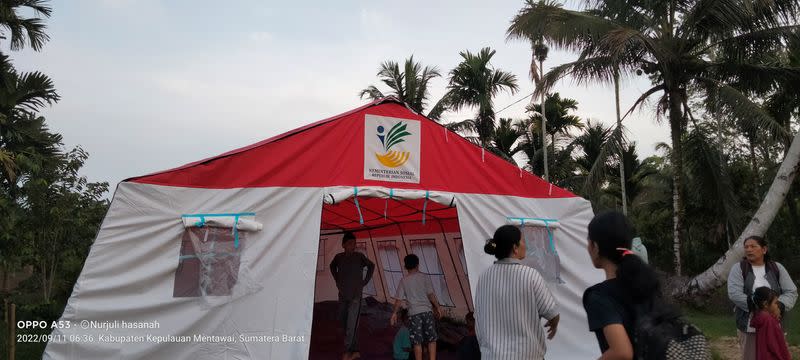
630 284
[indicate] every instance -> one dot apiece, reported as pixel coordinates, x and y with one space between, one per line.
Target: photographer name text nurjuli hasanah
119 324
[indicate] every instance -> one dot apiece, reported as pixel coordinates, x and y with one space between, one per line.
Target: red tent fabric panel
331 153
344 216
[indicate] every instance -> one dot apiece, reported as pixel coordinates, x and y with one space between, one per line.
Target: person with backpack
626 311
755 270
511 299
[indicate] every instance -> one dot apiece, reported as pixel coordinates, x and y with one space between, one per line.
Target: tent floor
375 335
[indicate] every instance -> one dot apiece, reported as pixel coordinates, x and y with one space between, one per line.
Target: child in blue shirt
402 340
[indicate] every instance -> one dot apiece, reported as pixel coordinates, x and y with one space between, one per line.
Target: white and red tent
224 258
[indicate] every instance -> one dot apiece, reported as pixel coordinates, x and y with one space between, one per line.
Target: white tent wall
480 215
130 272
447 248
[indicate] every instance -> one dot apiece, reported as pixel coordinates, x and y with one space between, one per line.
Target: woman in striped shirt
510 300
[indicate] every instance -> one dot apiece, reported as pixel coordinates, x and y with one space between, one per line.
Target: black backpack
662 334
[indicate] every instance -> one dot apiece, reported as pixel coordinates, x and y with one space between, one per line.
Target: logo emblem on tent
393 158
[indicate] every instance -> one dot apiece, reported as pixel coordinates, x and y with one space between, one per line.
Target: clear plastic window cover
541 252
242 221
211 266
334 195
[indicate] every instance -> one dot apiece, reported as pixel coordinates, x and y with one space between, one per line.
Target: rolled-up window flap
532 221
237 221
335 195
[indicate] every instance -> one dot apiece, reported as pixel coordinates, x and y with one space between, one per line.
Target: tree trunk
4 289
623 189
44 272
754 163
544 131
676 131
51 277
717 274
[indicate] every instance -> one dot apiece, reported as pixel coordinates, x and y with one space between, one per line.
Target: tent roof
330 152
382 215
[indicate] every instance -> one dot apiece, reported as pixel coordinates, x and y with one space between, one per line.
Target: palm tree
559 120
530 144
591 144
23 135
540 51
562 173
505 139
632 172
475 83
593 163
23 30
409 85
701 46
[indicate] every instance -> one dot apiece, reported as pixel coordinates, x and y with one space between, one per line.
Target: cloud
147 102
260 36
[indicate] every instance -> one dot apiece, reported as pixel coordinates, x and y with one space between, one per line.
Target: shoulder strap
746 269
745 266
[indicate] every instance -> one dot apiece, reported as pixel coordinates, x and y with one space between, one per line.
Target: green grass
716 325
713 325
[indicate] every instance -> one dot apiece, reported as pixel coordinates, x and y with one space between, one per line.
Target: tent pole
450 252
378 262
405 246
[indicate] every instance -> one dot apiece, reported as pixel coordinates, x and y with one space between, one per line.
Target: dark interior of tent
386 231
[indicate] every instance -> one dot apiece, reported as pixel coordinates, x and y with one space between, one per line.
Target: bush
37 312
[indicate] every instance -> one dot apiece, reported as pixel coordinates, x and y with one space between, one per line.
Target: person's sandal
356 355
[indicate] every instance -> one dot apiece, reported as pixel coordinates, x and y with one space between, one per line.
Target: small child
402 341
468 347
770 342
416 289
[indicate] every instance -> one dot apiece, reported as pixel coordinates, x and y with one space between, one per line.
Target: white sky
148 85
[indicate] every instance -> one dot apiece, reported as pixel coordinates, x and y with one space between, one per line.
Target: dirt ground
375 333
728 348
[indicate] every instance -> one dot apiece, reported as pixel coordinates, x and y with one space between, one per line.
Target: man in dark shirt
347 269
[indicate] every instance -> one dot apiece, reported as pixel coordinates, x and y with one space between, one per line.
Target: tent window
542 254
390 262
369 289
321 255
429 264
208 263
